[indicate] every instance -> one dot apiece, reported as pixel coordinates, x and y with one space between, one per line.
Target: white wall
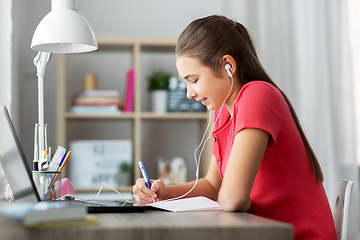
5 73
5 57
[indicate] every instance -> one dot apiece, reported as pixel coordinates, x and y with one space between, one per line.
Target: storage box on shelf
139 125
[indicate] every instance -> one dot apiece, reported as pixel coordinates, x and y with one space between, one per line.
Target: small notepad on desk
188 205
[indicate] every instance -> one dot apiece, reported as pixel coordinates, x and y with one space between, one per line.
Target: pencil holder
49 187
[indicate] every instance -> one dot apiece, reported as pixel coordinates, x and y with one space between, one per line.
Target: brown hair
208 39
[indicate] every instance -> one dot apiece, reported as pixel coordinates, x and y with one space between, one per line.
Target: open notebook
187 204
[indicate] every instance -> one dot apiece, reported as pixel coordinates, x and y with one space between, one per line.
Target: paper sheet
188 204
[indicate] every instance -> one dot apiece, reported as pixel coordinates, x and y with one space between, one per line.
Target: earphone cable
202 143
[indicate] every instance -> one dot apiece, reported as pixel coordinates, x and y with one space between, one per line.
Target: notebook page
188 204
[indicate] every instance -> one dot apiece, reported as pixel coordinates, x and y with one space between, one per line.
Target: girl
262 162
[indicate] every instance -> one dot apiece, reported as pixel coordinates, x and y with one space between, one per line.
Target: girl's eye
195 81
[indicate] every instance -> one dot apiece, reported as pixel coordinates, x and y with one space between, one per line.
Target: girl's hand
143 195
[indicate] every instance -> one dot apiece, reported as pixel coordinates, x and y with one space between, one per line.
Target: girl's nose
190 93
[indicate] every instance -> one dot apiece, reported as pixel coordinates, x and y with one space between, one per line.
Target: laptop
20 179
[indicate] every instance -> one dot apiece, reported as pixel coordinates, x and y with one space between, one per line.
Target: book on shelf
129 91
96 101
99 93
95 109
39 213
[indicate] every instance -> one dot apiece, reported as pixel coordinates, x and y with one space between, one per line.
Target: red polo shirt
284 188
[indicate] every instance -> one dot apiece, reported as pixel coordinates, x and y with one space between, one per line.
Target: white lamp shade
64 31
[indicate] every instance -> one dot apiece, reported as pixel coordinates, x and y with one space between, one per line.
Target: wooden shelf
138 121
70 115
133 40
143 115
150 115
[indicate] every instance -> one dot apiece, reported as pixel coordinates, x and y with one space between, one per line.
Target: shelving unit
141 121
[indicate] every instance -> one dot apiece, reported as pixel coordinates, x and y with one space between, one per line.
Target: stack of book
47 214
96 101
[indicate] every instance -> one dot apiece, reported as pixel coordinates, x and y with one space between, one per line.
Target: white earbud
227 68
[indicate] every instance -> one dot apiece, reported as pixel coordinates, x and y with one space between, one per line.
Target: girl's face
202 84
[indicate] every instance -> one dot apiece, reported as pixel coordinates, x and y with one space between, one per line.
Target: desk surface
156 225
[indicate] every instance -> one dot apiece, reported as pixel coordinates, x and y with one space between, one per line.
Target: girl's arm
208 187
244 161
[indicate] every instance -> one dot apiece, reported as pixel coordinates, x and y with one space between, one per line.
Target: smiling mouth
203 101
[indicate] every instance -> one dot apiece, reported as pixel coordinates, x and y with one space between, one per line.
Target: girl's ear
229 64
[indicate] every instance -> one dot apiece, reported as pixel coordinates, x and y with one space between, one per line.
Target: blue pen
145 175
61 161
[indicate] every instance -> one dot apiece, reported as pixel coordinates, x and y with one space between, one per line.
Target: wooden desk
157 225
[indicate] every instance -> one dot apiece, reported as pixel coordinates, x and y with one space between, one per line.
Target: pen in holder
50 184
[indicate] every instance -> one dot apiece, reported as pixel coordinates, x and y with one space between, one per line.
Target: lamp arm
40 61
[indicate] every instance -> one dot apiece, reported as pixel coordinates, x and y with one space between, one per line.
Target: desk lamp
63 30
